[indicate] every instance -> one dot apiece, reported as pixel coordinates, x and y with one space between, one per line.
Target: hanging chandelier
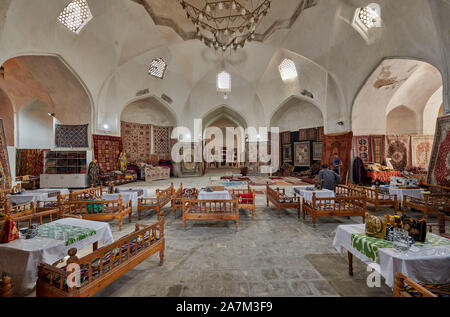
225 24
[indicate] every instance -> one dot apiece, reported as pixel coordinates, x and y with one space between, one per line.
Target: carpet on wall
439 170
377 148
302 154
161 140
5 173
421 147
311 134
137 141
29 162
362 148
398 148
342 145
106 151
286 137
71 136
320 133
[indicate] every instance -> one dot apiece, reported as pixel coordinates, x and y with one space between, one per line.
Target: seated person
328 178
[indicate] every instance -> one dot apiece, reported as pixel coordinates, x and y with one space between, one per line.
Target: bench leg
130 216
120 223
139 213
350 263
298 212
161 255
314 221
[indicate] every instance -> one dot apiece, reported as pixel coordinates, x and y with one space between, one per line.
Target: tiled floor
267 256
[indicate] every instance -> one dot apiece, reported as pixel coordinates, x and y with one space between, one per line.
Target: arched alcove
297 114
148 111
397 82
400 121
35 126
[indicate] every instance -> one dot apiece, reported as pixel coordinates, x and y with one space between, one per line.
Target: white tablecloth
137 190
297 189
35 195
430 265
416 193
20 258
125 197
324 193
216 195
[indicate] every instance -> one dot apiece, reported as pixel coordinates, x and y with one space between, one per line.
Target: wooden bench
436 200
335 207
179 194
210 210
52 214
346 191
378 198
163 197
103 266
400 283
246 198
19 210
101 210
281 201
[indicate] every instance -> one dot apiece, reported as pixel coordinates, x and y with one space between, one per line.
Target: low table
215 195
430 264
20 258
36 195
297 189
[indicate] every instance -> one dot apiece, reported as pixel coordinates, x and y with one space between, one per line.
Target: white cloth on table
27 197
416 193
297 189
20 258
215 195
62 191
125 197
137 190
420 266
324 193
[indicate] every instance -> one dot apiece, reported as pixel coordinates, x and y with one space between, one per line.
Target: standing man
328 178
337 163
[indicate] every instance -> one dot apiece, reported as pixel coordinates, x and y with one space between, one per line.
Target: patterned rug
137 141
421 147
398 149
69 136
29 162
362 148
107 150
161 140
439 170
377 148
341 144
5 173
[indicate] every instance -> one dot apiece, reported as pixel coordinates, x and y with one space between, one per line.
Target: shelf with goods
65 169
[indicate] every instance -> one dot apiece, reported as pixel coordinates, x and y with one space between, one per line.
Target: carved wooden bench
101 210
103 266
402 282
279 199
163 197
246 198
210 210
436 200
335 207
377 197
179 194
19 210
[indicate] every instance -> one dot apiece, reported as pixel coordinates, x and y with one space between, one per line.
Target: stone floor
267 256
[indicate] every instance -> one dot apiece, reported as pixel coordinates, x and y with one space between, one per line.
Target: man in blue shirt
337 164
328 178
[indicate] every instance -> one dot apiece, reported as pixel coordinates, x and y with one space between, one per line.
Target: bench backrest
18 210
209 206
100 263
97 207
438 189
338 203
81 193
165 195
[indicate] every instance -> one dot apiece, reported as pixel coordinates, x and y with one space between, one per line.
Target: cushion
375 226
245 198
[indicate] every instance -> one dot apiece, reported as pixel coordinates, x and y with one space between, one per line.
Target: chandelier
225 24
